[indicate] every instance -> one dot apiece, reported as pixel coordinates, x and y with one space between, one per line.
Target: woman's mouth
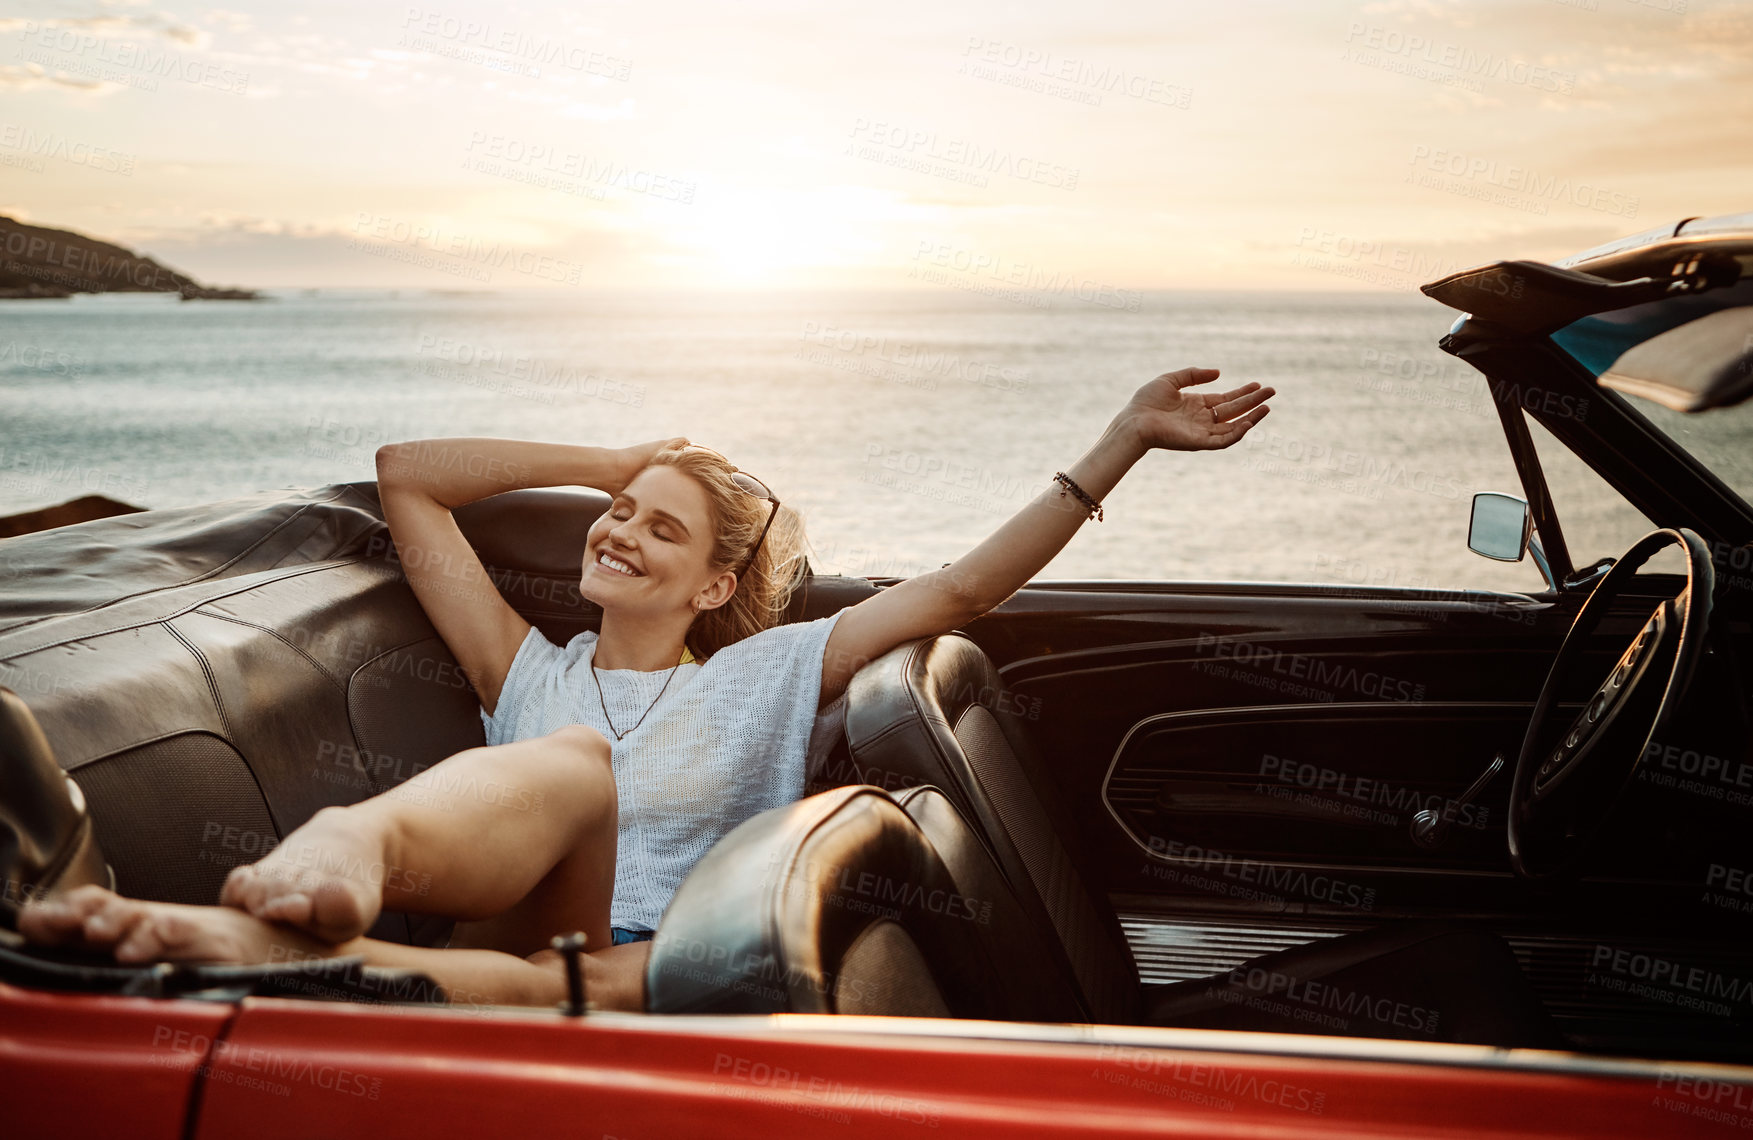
616 566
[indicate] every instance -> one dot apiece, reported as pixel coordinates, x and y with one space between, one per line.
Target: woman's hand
1164 413
630 461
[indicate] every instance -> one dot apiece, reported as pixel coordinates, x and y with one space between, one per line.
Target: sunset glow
1251 145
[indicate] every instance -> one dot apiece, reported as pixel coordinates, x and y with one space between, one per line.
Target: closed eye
661 534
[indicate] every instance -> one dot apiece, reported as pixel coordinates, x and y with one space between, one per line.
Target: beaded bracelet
1094 507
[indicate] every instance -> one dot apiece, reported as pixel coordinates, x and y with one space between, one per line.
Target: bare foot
327 878
135 930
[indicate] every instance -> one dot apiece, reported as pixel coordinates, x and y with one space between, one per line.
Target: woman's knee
583 740
581 737
588 750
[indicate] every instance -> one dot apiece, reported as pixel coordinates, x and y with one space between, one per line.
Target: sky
1301 144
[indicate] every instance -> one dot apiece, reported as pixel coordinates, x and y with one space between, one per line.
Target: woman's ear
716 594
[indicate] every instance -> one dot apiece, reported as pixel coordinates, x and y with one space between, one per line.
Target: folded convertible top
89 565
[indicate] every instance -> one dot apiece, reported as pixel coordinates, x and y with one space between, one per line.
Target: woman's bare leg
526 828
517 841
135 930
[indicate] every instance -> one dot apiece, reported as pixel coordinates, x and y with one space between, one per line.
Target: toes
86 900
330 910
118 926
135 930
161 934
256 889
335 913
294 909
297 886
141 943
112 922
240 886
48 923
103 927
61 918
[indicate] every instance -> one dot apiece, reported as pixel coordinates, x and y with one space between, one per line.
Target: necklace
648 708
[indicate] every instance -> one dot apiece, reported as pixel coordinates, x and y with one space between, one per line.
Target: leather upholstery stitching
279 828
150 740
347 696
212 681
283 524
278 636
9 654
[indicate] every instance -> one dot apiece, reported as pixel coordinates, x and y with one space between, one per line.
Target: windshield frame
1599 341
1637 459
1629 405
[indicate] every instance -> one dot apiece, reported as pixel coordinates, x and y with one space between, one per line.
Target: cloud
29 76
122 27
270 252
231 21
1286 130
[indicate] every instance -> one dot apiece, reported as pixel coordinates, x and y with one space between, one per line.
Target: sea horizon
905 424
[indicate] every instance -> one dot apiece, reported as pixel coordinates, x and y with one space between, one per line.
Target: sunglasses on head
754 487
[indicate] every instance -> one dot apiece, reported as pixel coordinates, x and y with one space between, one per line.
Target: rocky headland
37 262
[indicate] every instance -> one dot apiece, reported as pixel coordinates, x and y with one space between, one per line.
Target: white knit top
728 739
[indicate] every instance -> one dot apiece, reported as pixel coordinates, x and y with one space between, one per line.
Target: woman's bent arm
1161 414
421 481
453 472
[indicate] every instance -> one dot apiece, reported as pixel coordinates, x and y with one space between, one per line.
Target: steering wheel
1565 788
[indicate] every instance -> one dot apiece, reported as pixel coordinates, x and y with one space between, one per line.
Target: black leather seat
853 901
935 712
834 904
929 713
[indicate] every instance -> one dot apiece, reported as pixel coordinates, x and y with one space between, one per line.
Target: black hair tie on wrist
1094 508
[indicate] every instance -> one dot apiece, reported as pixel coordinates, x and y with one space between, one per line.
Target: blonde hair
765 590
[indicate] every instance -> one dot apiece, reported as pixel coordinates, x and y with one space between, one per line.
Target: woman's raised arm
1163 413
421 481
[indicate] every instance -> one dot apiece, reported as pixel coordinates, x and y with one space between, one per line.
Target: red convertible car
1123 858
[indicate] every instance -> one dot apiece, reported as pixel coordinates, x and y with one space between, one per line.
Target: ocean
905 426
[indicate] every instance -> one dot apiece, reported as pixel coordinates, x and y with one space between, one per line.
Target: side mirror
1500 527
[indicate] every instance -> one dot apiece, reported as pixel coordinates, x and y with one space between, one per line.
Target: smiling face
650 551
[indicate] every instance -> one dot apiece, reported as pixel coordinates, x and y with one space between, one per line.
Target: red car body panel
86 1065
90 1065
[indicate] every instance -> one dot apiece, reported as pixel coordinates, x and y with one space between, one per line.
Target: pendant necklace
648 708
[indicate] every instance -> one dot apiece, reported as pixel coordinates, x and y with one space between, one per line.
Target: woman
572 817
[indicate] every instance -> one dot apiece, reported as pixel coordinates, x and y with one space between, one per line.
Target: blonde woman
615 762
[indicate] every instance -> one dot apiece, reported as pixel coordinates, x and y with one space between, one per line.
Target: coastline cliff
37 262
